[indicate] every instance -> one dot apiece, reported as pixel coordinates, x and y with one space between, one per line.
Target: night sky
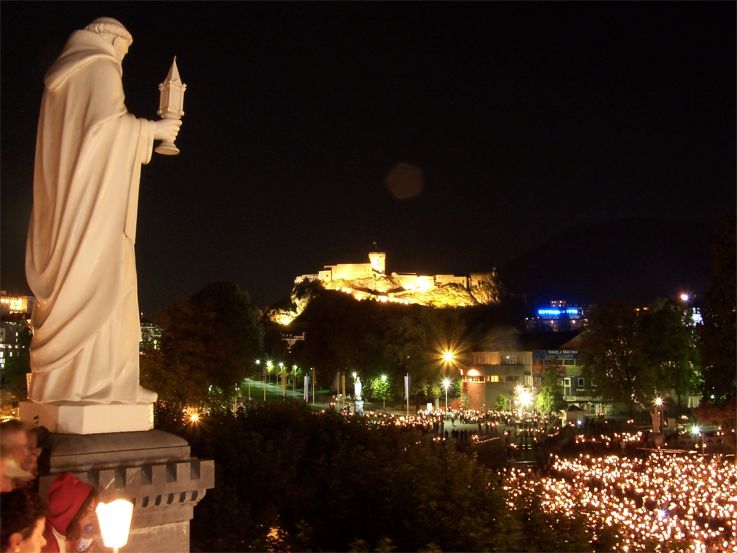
515 119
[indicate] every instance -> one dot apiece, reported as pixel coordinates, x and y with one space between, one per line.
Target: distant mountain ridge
635 260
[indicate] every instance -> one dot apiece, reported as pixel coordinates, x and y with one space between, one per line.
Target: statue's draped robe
80 260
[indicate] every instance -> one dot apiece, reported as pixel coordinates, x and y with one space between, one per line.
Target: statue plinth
359 407
88 418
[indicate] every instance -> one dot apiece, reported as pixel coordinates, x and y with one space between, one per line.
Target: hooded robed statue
80 260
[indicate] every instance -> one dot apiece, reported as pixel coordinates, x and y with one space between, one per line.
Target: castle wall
477 278
442 280
351 271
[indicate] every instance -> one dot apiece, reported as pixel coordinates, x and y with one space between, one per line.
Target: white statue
357 387
80 260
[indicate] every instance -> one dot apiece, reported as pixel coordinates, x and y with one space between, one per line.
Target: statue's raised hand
167 129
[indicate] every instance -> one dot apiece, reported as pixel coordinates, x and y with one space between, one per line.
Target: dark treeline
290 479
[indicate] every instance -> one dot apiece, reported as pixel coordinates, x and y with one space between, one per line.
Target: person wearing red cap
72 505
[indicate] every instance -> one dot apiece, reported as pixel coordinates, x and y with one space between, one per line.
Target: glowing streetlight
524 397
295 372
115 522
658 401
685 297
446 385
696 431
448 357
383 392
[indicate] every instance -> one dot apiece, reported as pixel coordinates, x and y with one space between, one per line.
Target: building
515 359
15 306
150 337
557 317
14 339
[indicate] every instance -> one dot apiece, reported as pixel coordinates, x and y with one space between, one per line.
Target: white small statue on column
171 105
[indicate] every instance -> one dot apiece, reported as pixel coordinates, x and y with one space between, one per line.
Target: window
580 383
493 378
567 382
512 378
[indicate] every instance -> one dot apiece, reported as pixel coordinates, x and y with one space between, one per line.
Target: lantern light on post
115 522
171 105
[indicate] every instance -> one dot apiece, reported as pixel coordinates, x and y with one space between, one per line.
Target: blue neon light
554 312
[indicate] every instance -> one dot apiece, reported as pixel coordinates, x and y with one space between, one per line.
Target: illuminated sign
557 312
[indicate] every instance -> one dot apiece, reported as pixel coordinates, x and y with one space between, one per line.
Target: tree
718 331
550 396
209 342
665 350
607 354
504 402
381 388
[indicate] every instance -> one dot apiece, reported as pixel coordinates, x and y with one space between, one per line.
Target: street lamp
269 368
383 391
295 372
281 374
659 404
446 385
524 397
115 522
696 430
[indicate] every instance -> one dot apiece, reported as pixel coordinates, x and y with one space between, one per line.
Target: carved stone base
152 469
88 418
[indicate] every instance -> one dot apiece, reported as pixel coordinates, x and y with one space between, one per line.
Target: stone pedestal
359 407
152 469
87 418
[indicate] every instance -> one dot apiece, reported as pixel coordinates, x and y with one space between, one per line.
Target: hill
634 260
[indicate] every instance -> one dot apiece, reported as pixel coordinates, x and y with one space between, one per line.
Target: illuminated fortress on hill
369 281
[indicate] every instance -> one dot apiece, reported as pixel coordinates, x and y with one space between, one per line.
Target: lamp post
115 522
383 392
696 430
258 363
659 404
282 375
524 398
446 385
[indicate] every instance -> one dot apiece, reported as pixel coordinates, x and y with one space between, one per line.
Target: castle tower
378 262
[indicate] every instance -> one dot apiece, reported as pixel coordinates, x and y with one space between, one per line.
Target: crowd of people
62 522
663 502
